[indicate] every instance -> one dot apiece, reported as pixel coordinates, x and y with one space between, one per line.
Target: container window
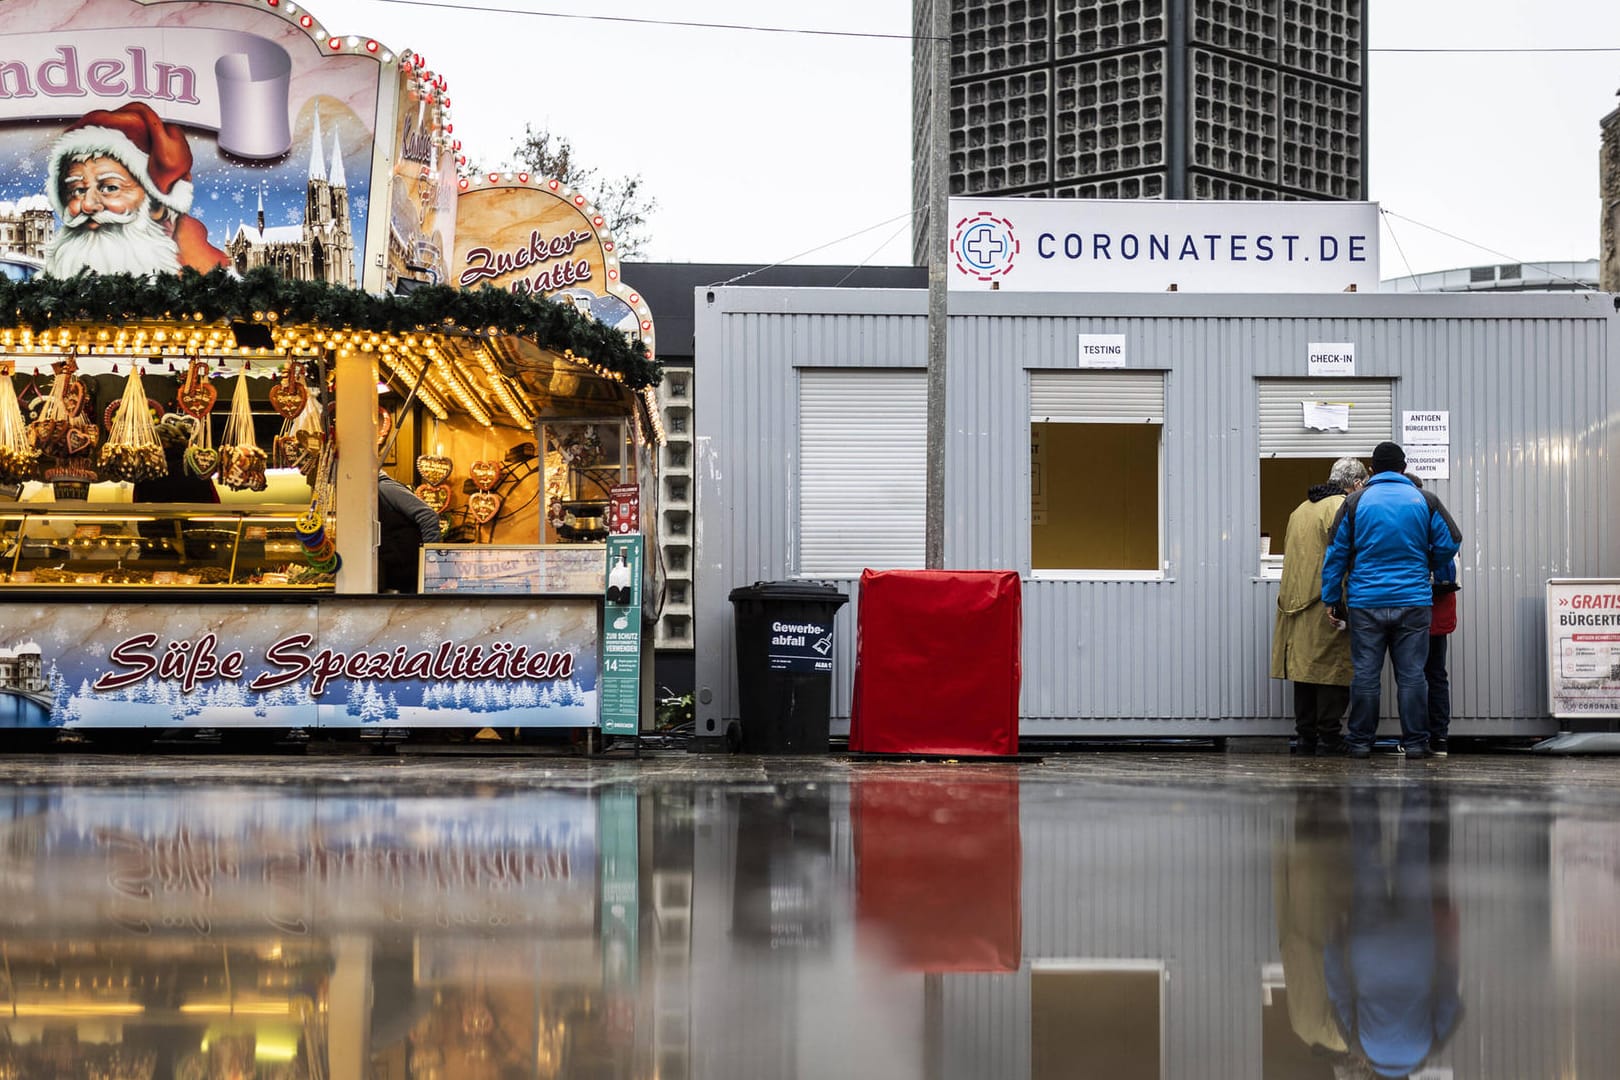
1295 456
1104 1018
1095 471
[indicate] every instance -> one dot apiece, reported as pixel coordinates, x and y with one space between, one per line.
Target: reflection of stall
192 462
238 932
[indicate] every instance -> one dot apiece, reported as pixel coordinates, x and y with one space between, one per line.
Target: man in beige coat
1307 648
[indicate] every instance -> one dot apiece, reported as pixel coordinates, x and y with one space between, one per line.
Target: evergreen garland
42 303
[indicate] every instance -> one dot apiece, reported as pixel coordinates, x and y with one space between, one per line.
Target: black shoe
1437 747
1360 753
1416 753
1302 747
1331 748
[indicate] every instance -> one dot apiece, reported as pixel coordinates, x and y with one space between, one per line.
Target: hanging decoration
64 432
436 496
132 452
434 468
314 526
201 459
486 474
241 462
197 394
482 506
289 395
60 413
19 460
299 444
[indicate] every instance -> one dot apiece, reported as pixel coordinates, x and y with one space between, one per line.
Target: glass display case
168 546
583 462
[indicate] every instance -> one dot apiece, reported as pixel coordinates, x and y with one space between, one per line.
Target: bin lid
813 591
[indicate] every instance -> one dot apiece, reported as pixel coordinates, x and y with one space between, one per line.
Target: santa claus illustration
120 180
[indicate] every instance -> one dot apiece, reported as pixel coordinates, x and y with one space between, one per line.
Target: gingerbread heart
486 474
434 468
201 460
284 452
437 496
197 398
483 506
288 397
81 440
73 395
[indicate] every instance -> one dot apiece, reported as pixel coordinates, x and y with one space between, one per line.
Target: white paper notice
1102 350
1429 462
1326 416
1431 428
1330 359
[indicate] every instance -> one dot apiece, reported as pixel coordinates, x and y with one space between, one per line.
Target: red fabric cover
1444 618
937 663
938 867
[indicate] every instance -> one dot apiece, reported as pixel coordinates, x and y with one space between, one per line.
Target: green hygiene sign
621 637
618 829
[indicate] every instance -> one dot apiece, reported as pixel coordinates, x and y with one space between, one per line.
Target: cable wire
812 251
759 28
1502 254
686 23
1415 285
873 254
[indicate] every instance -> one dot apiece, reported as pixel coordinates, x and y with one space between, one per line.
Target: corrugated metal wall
1526 379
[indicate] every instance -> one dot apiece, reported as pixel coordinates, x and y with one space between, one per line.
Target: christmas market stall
246 333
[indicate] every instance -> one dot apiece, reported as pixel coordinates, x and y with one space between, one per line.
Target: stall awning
500 358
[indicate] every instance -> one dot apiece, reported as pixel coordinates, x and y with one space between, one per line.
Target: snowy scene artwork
146 138
200 859
331 663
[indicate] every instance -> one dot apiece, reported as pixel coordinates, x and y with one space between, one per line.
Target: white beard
123 244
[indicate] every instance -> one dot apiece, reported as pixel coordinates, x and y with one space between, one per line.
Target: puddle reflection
875 922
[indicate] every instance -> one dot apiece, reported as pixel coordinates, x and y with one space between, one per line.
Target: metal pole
939 182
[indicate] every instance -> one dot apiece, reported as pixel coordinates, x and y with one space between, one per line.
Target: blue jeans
1403 632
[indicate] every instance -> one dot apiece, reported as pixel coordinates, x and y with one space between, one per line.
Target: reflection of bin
784 664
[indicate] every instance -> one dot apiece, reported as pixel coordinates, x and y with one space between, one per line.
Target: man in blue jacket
1386 541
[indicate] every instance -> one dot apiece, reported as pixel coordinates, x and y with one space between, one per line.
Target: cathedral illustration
322 248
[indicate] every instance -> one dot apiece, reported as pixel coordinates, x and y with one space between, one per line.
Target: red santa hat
155 153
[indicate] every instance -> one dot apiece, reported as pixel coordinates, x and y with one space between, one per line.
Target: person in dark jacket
1441 625
1391 968
1388 541
406 524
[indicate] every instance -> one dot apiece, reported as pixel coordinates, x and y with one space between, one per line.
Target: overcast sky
771 147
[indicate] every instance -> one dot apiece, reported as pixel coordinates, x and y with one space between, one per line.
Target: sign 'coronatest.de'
1149 245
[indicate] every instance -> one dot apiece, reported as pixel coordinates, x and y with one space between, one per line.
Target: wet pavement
1182 915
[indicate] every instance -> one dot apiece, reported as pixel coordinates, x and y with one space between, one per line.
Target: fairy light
654 413
498 382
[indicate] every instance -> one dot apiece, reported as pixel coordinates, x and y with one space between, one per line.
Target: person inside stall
406 524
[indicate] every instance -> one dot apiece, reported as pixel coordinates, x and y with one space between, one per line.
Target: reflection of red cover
937 868
937 662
